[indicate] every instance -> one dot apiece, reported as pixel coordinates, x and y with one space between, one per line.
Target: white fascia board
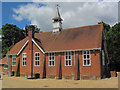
38 46
22 47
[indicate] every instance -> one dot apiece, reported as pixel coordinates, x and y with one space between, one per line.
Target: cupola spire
57 21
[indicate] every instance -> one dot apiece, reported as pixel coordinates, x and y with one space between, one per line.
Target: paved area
22 82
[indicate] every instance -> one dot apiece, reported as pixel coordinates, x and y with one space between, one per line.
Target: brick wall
69 71
94 69
36 69
66 71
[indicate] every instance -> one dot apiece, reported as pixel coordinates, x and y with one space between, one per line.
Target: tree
11 35
37 30
113 43
106 27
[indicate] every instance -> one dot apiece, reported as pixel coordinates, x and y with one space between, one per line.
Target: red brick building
3 65
76 53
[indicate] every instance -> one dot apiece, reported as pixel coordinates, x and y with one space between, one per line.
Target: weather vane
57 4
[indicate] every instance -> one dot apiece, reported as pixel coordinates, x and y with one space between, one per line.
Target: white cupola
57 22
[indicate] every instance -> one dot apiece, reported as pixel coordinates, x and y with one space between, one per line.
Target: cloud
74 14
18 18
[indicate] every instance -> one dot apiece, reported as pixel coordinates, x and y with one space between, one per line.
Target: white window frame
5 67
86 59
68 59
36 60
51 60
23 57
13 61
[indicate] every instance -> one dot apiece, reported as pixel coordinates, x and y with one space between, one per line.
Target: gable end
38 46
22 47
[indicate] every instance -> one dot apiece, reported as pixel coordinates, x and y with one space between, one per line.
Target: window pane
69 57
84 52
84 62
38 63
66 53
69 62
24 59
88 62
35 63
52 58
69 53
52 54
84 56
88 56
49 58
38 58
66 57
50 62
35 58
66 62
87 52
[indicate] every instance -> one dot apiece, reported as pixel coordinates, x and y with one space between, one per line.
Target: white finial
57 23
57 4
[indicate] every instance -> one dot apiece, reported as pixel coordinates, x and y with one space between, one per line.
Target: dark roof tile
86 37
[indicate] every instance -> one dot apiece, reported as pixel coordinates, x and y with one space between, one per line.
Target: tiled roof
15 49
4 60
87 37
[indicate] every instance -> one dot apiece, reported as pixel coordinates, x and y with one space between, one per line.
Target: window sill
5 68
86 65
68 66
36 66
51 66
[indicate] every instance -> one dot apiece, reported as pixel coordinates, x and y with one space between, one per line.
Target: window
68 59
13 60
37 58
51 59
24 56
86 58
5 66
103 58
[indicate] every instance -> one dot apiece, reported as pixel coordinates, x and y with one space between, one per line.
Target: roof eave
74 50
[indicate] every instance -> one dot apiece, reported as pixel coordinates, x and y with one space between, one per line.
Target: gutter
67 50
74 50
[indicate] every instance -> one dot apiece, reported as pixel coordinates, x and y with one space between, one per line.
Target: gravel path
22 82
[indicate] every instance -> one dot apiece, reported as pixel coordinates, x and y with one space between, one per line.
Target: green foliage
37 30
11 35
106 27
113 46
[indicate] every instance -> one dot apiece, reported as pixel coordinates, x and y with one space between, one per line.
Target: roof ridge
81 27
71 28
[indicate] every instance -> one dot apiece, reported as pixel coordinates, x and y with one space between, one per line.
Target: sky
74 14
